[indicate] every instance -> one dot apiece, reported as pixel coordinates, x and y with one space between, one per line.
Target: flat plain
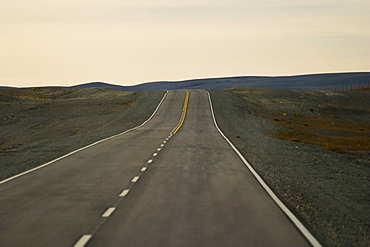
294 139
312 148
41 124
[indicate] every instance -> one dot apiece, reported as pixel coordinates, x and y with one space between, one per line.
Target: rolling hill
310 81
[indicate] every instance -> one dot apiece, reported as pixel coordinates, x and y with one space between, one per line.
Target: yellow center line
184 109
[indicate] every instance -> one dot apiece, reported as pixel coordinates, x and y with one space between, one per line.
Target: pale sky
127 42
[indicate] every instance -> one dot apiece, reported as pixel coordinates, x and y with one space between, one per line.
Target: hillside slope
312 81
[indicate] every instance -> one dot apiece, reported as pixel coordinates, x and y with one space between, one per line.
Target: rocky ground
38 125
294 141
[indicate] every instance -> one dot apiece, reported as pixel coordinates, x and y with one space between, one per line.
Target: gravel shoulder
328 190
40 124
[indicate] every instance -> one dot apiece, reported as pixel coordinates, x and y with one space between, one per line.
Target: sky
128 42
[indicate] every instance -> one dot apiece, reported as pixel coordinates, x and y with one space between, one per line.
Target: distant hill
102 84
312 81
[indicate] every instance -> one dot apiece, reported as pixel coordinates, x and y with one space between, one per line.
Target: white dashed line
143 169
82 241
149 161
155 154
88 146
109 212
159 149
162 145
134 180
164 141
123 193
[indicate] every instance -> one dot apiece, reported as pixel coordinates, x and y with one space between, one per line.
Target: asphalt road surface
147 187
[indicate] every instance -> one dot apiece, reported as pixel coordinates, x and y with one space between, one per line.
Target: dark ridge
311 81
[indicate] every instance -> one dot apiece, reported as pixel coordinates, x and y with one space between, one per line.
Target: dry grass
116 109
32 97
337 121
34 93
332 134
362 89
129 102
124 103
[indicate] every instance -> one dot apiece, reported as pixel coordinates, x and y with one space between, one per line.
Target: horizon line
187 79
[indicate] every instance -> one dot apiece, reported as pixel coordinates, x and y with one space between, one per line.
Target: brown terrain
311 147
41 124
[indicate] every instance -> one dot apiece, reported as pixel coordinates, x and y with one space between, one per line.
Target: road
147 188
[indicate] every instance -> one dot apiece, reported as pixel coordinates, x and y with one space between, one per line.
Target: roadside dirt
40 124
312 148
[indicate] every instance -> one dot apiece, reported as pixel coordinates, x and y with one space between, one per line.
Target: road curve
147 188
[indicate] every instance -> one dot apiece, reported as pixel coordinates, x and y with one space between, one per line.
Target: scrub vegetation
41 124
336 121
311 147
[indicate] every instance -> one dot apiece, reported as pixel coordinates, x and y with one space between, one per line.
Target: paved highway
147 187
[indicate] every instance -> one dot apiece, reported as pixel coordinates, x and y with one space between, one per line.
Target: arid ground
311 147
41 124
